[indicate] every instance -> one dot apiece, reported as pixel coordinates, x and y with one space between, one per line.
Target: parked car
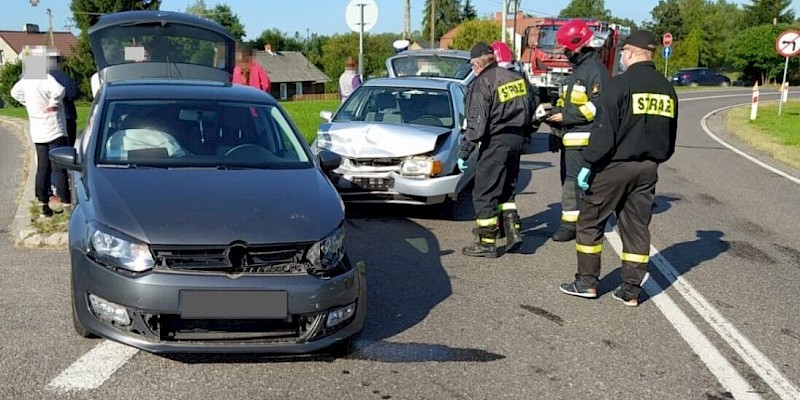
398 139
202 221
699 77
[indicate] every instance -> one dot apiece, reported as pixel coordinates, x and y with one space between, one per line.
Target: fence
317 96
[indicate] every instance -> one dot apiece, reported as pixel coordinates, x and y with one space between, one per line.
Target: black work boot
511 225
565 233
484 245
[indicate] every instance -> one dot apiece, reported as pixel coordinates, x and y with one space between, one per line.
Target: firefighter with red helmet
573 115
500 113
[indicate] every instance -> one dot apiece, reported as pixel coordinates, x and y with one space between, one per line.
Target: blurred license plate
373 183
233 304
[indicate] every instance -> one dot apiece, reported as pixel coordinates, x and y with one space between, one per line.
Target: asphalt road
721 320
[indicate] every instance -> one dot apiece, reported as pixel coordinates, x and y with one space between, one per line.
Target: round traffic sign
788 43
667 39
353 14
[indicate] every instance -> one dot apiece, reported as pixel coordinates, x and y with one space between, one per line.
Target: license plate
233 304
373 183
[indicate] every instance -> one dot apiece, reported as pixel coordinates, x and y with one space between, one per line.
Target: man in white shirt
349 80
42 96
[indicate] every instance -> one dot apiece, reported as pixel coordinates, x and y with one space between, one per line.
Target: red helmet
502 53
574 34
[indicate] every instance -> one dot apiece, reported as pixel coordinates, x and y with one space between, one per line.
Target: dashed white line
717 364
93 368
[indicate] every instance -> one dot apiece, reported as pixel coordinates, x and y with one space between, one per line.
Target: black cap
480 49
642 39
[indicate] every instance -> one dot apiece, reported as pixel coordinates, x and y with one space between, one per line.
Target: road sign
353 15
666 51
788 43
667 39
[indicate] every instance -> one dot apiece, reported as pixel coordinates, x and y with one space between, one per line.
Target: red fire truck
548 68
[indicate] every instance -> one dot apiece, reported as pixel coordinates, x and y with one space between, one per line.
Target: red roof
64 41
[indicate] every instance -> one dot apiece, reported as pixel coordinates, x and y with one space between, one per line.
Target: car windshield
395 105
432 65
175 134
172 43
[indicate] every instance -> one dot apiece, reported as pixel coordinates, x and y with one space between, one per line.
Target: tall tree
667 18
468 13
377 48
753 51
80 64
221 14
472 32
593 9
766 11
278 40
447 16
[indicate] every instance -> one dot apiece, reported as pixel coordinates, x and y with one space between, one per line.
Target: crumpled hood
216 207
369 140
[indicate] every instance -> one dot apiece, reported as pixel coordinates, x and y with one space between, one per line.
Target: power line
532 11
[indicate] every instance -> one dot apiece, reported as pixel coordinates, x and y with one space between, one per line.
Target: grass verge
777 136
57 223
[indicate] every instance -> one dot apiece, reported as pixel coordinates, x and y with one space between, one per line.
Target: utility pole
503 16
433 19
407 20
50 29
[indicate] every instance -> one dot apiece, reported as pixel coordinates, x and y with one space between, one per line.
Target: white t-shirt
95 82
37 95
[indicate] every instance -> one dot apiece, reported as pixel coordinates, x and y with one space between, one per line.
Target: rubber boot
511 225
484 245
565 233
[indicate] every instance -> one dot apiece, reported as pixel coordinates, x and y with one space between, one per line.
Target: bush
9 75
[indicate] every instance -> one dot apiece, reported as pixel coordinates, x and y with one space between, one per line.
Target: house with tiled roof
291 73
14 44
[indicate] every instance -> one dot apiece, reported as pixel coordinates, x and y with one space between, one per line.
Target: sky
325 17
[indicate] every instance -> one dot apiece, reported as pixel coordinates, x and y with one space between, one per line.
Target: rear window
174 134
432 66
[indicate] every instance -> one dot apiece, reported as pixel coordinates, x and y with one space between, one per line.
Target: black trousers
44 170
571 160
627 188
72 131
495 177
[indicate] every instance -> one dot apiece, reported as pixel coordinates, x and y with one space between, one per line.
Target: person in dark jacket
574 114
636 130
500 114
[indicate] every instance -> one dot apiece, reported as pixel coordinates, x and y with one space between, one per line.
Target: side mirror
326 115
329 160
65 157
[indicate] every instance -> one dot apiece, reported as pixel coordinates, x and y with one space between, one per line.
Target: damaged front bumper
392 187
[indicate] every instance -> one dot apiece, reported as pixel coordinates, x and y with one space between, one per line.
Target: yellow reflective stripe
579 88
588 111
637 258
507 206
572 139
653 104
488 240
578 98
512 90
595 249
570 216
486 222
560 102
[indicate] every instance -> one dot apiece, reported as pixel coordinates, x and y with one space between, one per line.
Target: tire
724 84
693 84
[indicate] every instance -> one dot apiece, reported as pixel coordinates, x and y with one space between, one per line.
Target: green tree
590 9
667 18
80 64
753 52
479 30
469 12
9 75
722 22
377 48
766 11
447 16
278 40
221 14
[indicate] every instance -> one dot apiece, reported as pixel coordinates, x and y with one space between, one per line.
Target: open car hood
161 44
434 63
368 140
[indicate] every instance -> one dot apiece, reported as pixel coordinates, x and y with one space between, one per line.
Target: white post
503 15
666 67
785 67
361 44
754 105
785 96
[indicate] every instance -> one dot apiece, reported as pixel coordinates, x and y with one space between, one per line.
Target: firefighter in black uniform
500 114
574 113
636 130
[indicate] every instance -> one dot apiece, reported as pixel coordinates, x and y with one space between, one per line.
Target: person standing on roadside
70 95
248 72
636 131
42 96
500 114
349 81
574 114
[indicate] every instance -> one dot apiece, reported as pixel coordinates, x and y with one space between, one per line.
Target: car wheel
724 84
694 84
76 323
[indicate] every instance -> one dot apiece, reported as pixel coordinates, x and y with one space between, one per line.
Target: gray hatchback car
202 221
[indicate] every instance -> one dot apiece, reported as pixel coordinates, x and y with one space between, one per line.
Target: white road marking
94 368
718 365
758 162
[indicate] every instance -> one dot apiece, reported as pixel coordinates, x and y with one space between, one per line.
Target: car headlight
122 253
328 252
420 167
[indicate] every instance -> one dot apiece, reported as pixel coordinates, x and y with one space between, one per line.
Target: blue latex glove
583 178
462 165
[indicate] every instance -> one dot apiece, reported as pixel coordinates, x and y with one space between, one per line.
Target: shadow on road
537 228
682 256
662 203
